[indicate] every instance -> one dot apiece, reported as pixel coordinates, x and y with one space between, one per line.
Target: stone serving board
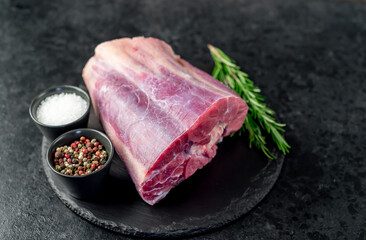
235 181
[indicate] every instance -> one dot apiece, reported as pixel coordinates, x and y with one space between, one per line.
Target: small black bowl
86 186
50 131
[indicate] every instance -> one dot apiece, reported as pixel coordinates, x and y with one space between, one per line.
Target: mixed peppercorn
82 157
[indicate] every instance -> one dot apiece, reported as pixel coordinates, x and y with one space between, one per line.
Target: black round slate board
236 180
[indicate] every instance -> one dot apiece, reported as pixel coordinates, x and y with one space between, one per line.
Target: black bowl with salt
60 109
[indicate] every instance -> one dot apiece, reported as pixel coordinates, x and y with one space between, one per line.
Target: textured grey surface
309 58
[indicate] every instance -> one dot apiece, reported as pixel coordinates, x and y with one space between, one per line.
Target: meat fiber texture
163 115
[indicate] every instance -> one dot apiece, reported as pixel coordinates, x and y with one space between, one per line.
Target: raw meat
163 115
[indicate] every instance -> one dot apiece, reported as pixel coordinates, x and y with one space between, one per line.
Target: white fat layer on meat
129 160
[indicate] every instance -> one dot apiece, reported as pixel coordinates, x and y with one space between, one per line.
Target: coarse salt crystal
60 109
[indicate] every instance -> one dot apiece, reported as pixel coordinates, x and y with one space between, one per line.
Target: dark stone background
309 58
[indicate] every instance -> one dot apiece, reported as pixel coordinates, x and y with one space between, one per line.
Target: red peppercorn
99 166
77 142
82 139
98 153
73 145
96 144
81 172
85 151
88 157
87 140
67 156
93 165
69 160
60 161
95 149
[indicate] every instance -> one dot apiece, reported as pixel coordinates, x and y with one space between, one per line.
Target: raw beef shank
163 115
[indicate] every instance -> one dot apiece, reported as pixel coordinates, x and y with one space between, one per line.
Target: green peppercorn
93 140
89 144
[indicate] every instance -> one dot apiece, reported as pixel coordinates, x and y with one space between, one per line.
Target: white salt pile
60 109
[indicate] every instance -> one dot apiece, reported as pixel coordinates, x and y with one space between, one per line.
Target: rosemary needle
260 117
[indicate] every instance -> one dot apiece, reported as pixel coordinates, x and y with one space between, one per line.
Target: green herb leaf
259 116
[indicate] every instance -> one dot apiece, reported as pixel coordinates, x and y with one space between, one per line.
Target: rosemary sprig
259 117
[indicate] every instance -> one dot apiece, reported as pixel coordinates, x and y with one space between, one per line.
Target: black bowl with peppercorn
80 160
